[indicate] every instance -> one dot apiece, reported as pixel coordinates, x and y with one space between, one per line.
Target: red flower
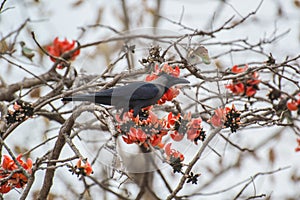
227 117
254 79
194 129
9 164
250 92
17 106
17 180
173 153
170 70
238 88
218 118
171 93
151 77
26 165
176 136
248 85
168 96
293 105
60 47
155 140
172 119
151 119
127 140
135 136
4 188
236 69
86 167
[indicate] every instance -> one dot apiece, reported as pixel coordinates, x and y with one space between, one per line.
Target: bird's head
168 80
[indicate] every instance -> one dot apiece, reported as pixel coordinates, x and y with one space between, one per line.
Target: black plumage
134 96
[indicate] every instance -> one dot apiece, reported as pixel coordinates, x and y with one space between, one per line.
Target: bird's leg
136 111
122 113
124 110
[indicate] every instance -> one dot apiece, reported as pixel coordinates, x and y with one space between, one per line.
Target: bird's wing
146 91
136 91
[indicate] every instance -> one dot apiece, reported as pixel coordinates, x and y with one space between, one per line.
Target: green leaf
194 55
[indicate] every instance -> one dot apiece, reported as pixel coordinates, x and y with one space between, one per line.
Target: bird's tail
89 97
84 97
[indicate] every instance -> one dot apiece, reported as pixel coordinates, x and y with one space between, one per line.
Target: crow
136 95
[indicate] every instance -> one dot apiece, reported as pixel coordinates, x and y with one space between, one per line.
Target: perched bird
194 55
27 52
134 96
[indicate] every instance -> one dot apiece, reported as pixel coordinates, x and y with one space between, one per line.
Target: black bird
134 96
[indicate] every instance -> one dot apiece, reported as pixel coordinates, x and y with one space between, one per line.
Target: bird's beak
181 81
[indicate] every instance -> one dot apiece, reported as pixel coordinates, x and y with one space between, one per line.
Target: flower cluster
180 126
171 92
247 85
148 131
226 117
294 105
58 48
21 111
174 158
144 131
82 168
11 175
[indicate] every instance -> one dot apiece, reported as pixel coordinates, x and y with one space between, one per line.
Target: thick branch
60 142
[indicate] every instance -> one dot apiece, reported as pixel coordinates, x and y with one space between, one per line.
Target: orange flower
60 47
248 85
17 180
236 69
168 96
155 140
176 136
219 117
171 93
135 136
151 77
227 117
9 164
292 105
254 79
26 165
5 188
170 70
195 129
17 106
173 153
238 88
86 167
172 119
250 92
127 140
151 117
